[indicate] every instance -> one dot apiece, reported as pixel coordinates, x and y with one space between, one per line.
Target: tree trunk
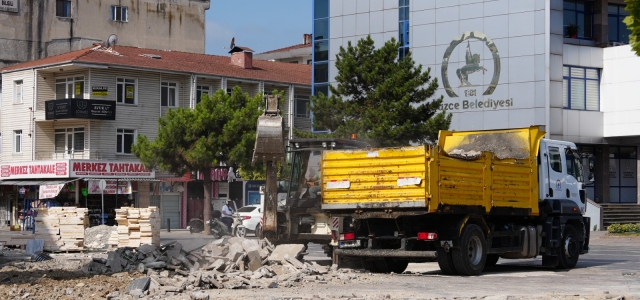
206 215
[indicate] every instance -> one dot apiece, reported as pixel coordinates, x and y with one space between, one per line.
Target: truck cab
561 172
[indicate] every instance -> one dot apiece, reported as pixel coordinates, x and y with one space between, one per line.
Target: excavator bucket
269 145
269 148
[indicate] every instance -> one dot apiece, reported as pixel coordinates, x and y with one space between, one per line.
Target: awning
121 179
35 182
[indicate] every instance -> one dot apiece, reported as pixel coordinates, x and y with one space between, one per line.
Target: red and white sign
49 191
107 169
338 184
124 187
35 169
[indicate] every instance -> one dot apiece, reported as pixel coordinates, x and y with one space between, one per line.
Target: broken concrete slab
235 251
254 260
293 250
296 263
146 249
236 240
199 296
141 284
321 269
194 244
250 245
174 250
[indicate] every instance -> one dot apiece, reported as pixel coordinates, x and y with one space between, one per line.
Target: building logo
82 104
472 63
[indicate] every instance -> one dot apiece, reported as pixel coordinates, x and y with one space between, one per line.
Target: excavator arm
269 149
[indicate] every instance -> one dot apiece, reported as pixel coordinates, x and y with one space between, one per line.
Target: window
302 106
63 8
574 164
72 87
555 161
403 28
202 90
579 12
69 140
623 174
320 53
126 138
17 94
119 13
17 141
169 94
581 88
618 31
126 90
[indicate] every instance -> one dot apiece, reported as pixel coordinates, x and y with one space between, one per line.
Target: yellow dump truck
468 201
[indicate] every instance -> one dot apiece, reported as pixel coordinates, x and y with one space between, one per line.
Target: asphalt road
609 270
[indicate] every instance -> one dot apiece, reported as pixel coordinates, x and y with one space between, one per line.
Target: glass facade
320 60
623 174
618 31
579 12
403 28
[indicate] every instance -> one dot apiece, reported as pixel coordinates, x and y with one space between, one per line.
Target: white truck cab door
563 173
574 177
556 172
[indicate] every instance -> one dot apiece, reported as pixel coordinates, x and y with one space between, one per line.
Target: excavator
291 212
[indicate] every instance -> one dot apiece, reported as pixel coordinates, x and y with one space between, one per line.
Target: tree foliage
633 23
222 128
380 98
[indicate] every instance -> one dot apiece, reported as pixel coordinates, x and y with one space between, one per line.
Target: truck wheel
397 266
445 261
470 258
569 249
492 260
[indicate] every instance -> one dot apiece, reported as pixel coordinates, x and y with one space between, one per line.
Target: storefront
72 183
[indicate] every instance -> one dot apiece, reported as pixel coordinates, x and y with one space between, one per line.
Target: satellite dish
112 41
233 43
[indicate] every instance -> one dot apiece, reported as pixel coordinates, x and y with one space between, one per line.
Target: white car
250 216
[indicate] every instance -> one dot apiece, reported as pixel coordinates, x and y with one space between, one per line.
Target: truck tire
492 260
396 266
445 262
470 258
569 248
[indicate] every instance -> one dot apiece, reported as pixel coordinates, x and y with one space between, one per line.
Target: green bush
624 228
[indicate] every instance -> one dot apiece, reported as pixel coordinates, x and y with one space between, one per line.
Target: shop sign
80 109
50 191
106 169
99 91
37 169
113 187
9 5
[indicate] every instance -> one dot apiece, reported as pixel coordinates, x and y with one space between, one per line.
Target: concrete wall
35 31
619 88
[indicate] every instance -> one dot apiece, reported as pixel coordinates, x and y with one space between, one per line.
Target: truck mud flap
385 253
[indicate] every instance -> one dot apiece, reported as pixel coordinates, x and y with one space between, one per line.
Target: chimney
306 39
242 59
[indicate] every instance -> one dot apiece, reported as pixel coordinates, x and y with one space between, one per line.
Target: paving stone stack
62 228
221 264
136 226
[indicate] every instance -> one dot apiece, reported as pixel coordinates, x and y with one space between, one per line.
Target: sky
261 25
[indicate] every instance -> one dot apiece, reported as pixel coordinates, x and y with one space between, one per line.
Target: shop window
579 12
302 106
169 94
17 141
69 140
125 139
618 31
63 8
202 90
119 13
581 88
126 90
17 94
71 87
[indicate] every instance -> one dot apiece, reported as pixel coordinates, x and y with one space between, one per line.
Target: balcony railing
49 155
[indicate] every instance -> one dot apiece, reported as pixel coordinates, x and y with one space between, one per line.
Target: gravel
97 237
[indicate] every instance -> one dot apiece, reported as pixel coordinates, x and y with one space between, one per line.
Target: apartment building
31 29
72 118
296 54
513 63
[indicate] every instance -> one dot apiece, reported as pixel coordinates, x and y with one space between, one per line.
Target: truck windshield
574 164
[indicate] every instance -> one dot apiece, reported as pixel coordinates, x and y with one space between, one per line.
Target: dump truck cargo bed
483 172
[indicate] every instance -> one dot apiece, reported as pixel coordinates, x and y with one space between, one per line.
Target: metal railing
86 154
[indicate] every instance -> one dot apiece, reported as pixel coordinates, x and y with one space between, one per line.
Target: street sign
102 184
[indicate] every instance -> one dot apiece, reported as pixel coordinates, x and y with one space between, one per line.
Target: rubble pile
97 237
232 263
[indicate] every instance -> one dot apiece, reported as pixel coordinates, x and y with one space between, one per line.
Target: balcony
53 155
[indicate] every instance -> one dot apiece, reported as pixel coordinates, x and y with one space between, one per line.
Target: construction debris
232 263
97 237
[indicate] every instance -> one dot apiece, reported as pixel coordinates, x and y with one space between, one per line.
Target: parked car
250 216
